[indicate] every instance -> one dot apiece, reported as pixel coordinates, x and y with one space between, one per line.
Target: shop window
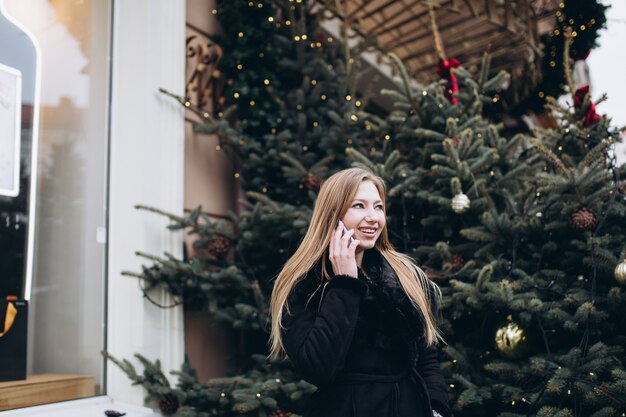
67 264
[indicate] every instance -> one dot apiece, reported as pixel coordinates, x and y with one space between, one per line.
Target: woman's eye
380 207
358 205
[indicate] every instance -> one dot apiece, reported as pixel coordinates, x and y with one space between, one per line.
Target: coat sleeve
317 342
429 368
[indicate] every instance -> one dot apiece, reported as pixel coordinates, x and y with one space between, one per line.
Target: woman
355 317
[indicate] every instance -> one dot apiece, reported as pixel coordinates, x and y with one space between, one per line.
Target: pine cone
280 413
219 246
312 181
457 262
583 219
168 404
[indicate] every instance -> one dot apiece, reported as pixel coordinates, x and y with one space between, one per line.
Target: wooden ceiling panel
508 29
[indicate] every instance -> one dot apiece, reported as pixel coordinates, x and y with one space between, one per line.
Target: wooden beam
477 49
451 41
418 16
382 6
401 41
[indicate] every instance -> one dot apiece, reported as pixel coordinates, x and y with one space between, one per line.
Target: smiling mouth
368 232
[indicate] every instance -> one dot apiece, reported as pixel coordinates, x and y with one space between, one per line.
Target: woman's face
366 215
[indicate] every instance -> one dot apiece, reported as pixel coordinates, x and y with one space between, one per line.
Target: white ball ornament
620 272
460 203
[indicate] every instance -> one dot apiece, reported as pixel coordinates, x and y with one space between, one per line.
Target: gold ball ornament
511 340
460 203
620 272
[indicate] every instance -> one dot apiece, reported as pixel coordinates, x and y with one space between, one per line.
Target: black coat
361 342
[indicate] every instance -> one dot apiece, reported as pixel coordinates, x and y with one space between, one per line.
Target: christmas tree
523 233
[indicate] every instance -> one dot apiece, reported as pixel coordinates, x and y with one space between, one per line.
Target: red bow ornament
591 117
444 69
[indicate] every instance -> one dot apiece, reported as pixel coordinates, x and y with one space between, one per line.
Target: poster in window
10 106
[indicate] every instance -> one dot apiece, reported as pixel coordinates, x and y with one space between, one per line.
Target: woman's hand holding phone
341 251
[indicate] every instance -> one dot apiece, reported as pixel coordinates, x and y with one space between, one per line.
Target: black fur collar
385 287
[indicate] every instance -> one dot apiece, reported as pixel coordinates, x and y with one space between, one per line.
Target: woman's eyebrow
365 201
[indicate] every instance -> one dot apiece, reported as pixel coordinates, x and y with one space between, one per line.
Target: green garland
586 18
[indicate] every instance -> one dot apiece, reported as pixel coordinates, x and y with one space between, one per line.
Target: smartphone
344 231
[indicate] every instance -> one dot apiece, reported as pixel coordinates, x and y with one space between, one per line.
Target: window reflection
66 328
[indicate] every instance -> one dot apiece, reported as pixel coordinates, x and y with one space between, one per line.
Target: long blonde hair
334 199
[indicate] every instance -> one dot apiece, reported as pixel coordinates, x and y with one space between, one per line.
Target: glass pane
66 310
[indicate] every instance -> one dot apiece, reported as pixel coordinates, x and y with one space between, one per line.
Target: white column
146 167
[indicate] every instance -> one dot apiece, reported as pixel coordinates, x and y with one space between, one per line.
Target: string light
237 175
348 97
236 94
218 148
357 103
315 124
240 34
252 103
222 394
187 104
313 82
387 137
265 190
451 385
239 67
260 5
258 394
304 37
266 81
354 118
323 97
288 22
574 34
296 38
270 19
206 115
214 11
